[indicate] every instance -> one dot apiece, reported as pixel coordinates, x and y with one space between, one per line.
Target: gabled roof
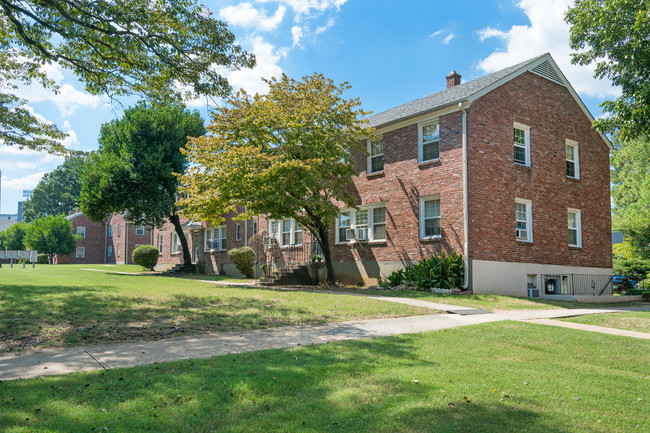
469 91
74 215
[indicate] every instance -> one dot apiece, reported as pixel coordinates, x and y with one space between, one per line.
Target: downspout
465 200
246 228
126 242
106 238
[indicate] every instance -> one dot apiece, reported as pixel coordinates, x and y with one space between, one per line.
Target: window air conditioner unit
177 248
350 234
522 234
533 293
362 234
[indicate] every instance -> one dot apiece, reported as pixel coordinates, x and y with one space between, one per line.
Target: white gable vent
546 70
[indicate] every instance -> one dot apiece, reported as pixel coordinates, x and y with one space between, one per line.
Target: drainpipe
126 242
246 228
465 200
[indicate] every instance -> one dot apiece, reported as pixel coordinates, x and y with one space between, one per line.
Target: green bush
633 292
443 271
243 258
146 256
42 259
637 269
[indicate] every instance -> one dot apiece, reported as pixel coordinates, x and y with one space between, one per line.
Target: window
118 251
160 243
287 232
215 239
237 232
572 166
375 155
254 227
429 139
139 230
522 144
81 252
81 231
430 217
110 231
176 244
575 235
137 246
109 251
368 223
119 229
523 220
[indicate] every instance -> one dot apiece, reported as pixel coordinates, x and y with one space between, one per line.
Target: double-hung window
160 243
139 230
119 229
287 232
110 231
81 231
237 233
176 244
375 155
575 231
367 223
430 217
215 239
572 165
523 220
429 138
521 135
109 251
81 252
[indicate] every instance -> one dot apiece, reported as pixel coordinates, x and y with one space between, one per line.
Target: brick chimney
453 79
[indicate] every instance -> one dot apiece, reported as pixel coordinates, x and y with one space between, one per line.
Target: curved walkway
97 357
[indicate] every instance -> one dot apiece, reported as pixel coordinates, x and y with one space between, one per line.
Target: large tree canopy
156 49
286 154
614 34
58 192
135 169
51 235
631 192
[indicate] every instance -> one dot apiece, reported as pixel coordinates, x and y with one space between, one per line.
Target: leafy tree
58 192
51 235
135 169
286 154
156 49
614 34
12 238
631 192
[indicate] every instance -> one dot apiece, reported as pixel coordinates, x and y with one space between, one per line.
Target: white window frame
254 227
237 234
421 141
529 219
294 228
80 253
119 229
109 251
369 225
160 244
139 230
175 244
215 235
371 156
577 228
526 146
118 251
422 218
81 231
576 160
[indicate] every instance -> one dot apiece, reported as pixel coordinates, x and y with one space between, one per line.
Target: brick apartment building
109 242
504 169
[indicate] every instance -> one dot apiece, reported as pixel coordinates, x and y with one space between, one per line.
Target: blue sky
390 52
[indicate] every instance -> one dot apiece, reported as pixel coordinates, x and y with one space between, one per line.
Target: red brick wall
495 180
93 242
125 237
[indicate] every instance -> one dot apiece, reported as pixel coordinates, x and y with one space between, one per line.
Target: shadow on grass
334 387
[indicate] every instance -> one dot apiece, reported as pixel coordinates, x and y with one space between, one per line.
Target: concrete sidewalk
75 359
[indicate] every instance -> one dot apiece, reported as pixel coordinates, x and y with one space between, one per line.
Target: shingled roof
446 97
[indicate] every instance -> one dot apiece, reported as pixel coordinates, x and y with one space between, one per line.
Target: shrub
243 259
42 259
146 256
443 271
633 292
637 269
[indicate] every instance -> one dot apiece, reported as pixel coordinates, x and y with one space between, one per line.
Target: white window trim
221 236
370 156
159 244
139 230
421 216
237 234
292 232
370 225
529 218
119 230
81 231
117 251
526 130
83 253
574 144
175 245
421 140
578 227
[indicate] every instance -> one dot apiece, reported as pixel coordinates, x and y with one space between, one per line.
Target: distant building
617 237
21 205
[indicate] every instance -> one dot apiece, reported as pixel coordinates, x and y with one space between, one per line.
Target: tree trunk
187 258
324 241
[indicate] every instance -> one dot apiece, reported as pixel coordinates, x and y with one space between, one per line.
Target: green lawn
135 269
496 377
63 305
631 320
489 302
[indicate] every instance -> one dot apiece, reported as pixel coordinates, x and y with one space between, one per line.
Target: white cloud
296 35
308 7
328 25
20 183
448 39
245 15
435 34
547 32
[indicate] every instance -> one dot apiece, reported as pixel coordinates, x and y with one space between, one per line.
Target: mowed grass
63 305
491 302
631 320
135 269
496 377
